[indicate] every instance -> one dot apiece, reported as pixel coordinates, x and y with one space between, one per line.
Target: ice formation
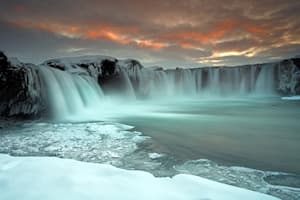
35 178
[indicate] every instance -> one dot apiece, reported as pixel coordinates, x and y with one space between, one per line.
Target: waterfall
69 87
76 94
264 85
214 81
70 94
202 82
127 85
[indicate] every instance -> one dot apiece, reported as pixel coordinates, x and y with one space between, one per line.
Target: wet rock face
296 62
20 90
3 60
110 79
108 68
289 77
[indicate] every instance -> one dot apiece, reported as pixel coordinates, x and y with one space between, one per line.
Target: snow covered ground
48 178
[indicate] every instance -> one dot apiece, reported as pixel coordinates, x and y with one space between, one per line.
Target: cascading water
70 94
128 88
206 82
265 82
75 94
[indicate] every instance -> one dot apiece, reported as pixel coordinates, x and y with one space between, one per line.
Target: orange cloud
196 40
69 31
189 37
108 35
151 44
109 32
131 35
121 35
255 29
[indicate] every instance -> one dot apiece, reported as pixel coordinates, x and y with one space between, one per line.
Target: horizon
149 66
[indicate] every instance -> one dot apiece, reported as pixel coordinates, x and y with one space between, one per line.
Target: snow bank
36 178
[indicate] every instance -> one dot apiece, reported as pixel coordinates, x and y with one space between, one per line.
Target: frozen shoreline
121 146
31 178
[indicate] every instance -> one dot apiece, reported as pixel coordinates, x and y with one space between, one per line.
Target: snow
155 155
291 98
14 61
80 59
70 64
47 178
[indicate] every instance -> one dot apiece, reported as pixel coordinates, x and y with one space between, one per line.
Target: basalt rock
289 77
20 89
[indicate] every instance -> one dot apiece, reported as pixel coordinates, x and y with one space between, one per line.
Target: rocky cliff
20 89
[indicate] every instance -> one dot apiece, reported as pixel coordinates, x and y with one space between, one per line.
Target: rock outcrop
289 77
20 89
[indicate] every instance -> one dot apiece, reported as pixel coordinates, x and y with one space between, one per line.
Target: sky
168 33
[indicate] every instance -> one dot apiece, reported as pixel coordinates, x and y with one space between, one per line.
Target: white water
70 94
265 82
209 82
77 94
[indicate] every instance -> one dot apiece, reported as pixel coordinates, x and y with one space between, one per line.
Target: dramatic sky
169 33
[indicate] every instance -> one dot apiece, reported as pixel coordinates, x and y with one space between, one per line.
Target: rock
56 65
289 77
108 68
20 90
110 79
3 60
296 62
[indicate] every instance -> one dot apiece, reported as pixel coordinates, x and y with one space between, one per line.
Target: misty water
232 128
258 133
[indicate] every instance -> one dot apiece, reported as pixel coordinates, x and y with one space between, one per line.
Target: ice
70 63
92 142
239 176
155 155
291 98
49 178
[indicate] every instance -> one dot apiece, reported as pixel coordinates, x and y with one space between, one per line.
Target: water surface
256 133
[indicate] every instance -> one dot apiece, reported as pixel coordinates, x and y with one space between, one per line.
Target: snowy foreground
30 178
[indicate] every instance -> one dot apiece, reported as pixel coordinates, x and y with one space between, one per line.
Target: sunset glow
227 33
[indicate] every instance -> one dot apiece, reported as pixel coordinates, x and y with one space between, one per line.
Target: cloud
190 32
